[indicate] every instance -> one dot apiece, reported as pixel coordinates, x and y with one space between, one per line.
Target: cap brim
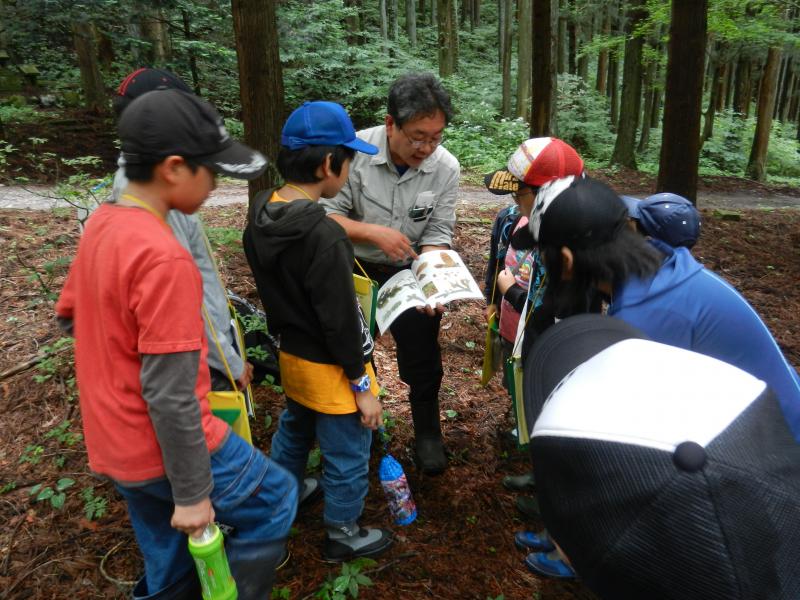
501 182
562 348
632 204
237 161
360 145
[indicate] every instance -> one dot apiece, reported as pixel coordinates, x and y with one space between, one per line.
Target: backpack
261 348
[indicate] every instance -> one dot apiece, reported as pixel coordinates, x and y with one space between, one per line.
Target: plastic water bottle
208 551
398 493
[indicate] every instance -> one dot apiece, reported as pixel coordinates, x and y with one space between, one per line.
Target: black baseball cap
170 122
145 80
577 212
661 472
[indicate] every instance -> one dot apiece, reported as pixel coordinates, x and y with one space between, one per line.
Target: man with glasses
395 205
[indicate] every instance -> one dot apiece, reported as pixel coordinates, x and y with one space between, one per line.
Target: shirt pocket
419 214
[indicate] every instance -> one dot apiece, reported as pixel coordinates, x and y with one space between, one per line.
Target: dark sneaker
528 506
429 456
520 483
528 541
310 494
346 543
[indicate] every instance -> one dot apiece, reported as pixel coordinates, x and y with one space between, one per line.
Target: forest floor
461 545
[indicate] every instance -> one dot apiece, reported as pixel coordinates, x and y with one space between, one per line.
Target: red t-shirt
131 290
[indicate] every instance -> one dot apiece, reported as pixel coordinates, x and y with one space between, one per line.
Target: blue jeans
252 494
344 444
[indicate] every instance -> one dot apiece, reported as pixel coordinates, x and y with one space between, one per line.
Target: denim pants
253 495
345 446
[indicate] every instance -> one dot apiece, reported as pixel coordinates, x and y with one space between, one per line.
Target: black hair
300 166
626 255
418 95
143 172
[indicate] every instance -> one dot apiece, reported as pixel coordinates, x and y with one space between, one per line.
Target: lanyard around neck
144 205
294 187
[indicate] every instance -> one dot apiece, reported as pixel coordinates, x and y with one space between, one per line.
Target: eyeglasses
417 144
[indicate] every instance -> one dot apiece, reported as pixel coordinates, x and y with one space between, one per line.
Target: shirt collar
383 157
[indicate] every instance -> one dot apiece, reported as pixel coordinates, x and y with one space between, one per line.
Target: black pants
419 356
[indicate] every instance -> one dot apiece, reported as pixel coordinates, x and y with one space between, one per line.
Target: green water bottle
208 551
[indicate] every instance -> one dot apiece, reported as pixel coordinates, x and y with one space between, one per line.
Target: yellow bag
493 352
367 295
229 405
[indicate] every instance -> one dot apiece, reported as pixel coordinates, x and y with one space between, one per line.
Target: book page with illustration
436 277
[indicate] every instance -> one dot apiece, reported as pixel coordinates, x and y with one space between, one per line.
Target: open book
436 277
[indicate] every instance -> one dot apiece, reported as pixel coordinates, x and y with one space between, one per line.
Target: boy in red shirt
133 297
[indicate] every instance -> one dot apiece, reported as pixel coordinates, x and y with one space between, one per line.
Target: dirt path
41 197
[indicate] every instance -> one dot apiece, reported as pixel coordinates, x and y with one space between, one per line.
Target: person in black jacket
302 262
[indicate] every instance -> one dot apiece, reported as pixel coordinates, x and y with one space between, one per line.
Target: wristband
362 385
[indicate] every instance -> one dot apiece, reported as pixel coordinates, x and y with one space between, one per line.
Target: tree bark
505 108
743 89
84 36
524 57
624 148
353 23
392 16
583 35
717 78
786 91
448 37
384 22
757 165
572 43
562 39
648 95
411 23
680 142
476 13
545 48
255 28
602 57
188 35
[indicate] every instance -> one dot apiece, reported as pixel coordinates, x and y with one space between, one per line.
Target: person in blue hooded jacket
581 228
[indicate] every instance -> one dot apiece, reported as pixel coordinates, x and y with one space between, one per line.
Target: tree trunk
717 77
84 36
353 23
434 16
583 36
729 82
421 12
505 108
500 30
448 37
255 28
411 23
545 48
613 91
757 165
562 39
602 57
741 94
649 96
723 85
524 56
476 13
392 10
631 89
782 74
572 44
786 92
157 35
384 23
188 36
680 142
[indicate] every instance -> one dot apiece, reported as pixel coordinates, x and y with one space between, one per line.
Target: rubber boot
253 564
428 446
347 542
186 588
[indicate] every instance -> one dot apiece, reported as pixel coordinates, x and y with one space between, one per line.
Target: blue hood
678 266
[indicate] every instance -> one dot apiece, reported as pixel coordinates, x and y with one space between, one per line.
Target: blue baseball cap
322 123
666 216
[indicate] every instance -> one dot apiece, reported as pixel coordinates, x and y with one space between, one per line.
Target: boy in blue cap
667 217
302 262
